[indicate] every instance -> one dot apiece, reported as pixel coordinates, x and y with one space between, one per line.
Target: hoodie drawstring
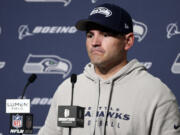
109 103
99 91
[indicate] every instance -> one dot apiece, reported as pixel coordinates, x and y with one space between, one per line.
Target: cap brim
86 24
83 24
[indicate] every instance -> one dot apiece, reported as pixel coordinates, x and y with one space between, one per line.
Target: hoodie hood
133 65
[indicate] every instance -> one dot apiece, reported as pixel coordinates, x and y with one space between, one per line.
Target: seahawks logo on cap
101 10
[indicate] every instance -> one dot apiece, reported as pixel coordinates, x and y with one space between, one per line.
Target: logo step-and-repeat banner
39 36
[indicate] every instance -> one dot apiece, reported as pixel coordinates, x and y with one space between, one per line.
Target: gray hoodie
132 101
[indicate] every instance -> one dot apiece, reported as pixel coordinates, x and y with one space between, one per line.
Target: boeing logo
47 64
176 65
24 30
140 30
42 101
66 2
2 64
172 30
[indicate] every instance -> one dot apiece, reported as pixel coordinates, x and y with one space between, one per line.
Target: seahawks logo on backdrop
101 10
140 30
47 64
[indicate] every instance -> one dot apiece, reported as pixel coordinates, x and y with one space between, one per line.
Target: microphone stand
25 87
71 102
31 79
73 81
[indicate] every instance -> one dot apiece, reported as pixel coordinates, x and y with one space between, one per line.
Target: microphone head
73 78
32 78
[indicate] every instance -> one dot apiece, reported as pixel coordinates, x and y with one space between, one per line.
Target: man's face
104 49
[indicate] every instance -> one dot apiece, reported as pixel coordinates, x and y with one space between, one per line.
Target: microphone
73 78
73 81
71 116
21 120
31 79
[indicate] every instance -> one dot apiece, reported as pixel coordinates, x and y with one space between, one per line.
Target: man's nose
96 40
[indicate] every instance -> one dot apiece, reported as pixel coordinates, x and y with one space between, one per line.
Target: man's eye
89 35
106 34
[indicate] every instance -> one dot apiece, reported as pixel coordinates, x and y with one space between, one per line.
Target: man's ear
129 41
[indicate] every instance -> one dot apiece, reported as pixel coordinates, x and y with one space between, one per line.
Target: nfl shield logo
17 121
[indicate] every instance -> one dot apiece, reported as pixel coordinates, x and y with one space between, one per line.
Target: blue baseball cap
109 16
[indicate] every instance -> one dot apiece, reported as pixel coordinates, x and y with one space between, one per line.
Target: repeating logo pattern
140 30
172 30
47 64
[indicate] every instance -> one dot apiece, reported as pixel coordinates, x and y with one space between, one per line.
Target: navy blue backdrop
38 36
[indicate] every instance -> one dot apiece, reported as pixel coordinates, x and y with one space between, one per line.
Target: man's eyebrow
88 31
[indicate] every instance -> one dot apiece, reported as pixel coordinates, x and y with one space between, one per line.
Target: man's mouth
97 50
